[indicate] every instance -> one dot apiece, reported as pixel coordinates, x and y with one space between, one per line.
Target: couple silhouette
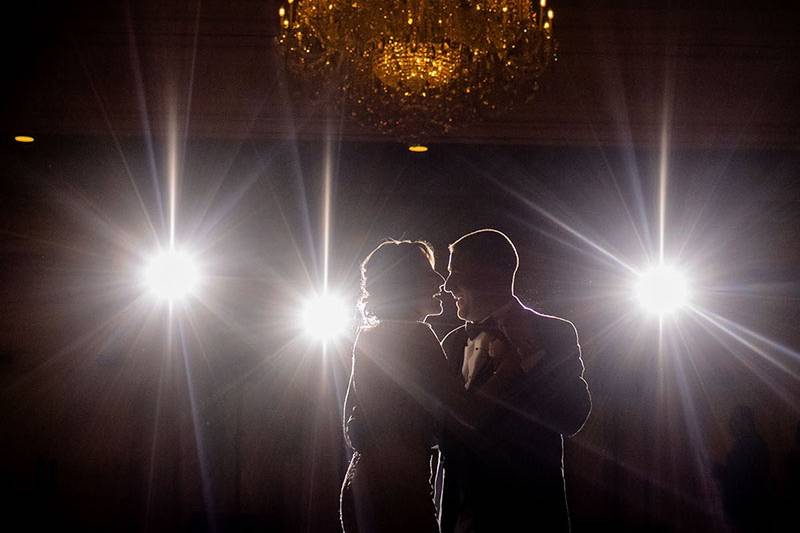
494 398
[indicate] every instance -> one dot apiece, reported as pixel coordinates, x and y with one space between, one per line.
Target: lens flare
171 275
662 290
325 317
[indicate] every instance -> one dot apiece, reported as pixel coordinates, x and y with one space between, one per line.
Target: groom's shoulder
545 325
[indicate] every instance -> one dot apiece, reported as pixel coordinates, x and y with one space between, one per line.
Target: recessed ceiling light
418 148
23 139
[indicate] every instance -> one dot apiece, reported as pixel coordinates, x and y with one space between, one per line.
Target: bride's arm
392 367
442 392
457 410
350 427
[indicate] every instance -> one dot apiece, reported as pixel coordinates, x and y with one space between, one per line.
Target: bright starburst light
172 275
325 317
661 290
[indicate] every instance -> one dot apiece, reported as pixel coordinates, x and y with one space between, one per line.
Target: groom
509 476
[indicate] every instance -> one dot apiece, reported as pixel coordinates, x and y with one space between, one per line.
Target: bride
401 393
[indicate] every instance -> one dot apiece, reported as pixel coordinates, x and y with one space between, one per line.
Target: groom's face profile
464 282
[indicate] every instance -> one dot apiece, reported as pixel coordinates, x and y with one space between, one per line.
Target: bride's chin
436 308
432 307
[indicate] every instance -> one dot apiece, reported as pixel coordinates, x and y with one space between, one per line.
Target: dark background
116 415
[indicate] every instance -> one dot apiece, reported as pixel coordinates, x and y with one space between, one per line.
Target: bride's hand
508 369
528 353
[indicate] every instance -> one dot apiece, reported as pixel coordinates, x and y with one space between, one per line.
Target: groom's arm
562 395
552 390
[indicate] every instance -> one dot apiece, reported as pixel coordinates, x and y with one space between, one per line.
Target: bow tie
488 326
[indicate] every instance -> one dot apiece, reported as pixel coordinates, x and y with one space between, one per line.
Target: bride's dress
388 484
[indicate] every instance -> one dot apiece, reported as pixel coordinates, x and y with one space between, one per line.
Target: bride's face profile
429 302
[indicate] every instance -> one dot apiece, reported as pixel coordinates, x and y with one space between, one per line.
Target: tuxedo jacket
507 475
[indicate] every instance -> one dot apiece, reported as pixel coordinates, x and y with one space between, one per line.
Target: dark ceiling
722 74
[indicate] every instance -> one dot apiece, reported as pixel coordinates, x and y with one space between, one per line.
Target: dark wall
116 414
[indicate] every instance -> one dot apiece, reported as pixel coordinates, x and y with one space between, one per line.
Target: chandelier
419 68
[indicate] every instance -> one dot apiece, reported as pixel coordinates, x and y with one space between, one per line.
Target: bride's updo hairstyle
390 279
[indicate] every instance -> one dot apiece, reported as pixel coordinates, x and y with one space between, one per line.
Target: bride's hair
390 277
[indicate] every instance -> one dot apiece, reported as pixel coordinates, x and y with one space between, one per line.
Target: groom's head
481 273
